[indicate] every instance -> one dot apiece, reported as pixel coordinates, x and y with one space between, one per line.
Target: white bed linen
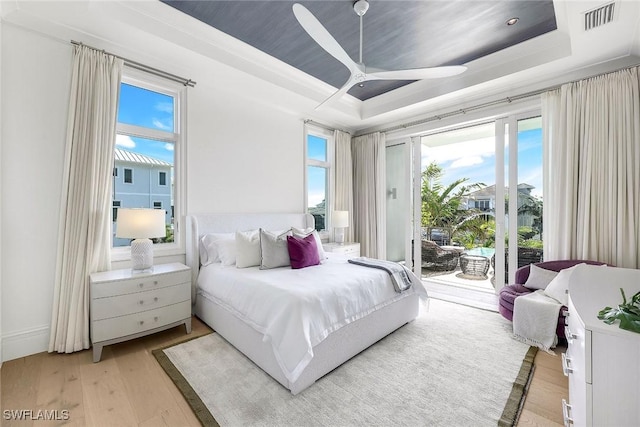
297 309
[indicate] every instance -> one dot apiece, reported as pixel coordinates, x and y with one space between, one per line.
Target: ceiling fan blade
418 73
337 94
317 32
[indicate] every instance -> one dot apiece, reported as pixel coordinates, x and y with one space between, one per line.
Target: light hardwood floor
543 404
128 387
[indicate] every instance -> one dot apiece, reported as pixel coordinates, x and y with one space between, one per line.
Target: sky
316 149
149 109
475 159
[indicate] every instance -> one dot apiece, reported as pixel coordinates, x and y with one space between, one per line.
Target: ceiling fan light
361 7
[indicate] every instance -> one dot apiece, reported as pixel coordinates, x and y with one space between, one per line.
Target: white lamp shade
340 219
140 223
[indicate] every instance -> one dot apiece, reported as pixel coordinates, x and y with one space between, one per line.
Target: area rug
453 365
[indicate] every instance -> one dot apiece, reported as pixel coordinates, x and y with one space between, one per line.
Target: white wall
242 155
35 84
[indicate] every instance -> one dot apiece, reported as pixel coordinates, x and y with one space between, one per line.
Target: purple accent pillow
303 252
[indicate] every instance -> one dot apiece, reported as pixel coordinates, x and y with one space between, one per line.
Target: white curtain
592 182
344 179
85 213
369 197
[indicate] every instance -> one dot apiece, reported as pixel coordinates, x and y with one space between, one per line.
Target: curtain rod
323 126
142 67
507 100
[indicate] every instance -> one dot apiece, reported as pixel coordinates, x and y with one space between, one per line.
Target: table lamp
340 220
141 225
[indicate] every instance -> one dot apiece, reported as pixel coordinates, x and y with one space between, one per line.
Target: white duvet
297 309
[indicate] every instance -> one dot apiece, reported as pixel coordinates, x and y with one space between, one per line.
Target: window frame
124 176
178 137
329 175
162 174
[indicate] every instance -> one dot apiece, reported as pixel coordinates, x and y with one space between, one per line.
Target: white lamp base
340 235
141 255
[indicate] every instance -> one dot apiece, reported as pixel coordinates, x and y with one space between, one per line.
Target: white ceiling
181 44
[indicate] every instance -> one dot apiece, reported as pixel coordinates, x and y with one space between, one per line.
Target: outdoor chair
526 256
437 258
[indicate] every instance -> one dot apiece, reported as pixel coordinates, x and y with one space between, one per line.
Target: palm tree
444 206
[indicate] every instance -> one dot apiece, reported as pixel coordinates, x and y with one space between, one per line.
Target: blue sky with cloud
149 109
475 159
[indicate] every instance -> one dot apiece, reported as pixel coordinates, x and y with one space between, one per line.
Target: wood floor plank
20 379
147 393
106 401
529 418
60 389
543 402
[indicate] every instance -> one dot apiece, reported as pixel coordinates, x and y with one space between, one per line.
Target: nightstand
127 305
347 249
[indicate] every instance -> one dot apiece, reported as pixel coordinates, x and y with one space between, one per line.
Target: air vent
598 17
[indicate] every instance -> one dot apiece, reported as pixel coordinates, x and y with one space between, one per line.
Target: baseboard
25 343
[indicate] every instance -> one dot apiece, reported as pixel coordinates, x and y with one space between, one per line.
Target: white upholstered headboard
201 224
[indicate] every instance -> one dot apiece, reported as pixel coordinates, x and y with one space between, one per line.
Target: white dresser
602 361
347 249
126 305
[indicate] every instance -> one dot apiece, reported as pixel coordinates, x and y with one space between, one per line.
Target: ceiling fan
359 72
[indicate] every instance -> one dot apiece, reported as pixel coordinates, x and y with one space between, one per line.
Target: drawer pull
155 282
155 299
141 302
141 285
142 322
155 319
570 336
566 408
566 368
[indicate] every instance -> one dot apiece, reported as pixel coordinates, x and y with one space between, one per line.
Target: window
116 205
483 205
148 148
319 158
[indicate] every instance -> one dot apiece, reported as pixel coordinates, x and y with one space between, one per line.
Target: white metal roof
128 156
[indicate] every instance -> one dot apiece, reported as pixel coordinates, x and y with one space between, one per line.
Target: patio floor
449 286
456 278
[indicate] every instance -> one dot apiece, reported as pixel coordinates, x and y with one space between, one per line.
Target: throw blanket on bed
535 319
399 276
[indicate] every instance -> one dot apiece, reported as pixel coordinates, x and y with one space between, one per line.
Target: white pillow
247 248
539 278
558 288
274 251
226 251
299 232
208 248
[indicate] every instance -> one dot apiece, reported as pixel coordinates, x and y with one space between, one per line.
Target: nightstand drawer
349 250
105 308
346 250
117 327
138 284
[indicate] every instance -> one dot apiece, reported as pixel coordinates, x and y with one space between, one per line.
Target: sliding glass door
479 188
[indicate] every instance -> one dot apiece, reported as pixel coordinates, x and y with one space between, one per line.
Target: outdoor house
140 181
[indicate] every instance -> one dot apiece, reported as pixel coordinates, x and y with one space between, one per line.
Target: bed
291 332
